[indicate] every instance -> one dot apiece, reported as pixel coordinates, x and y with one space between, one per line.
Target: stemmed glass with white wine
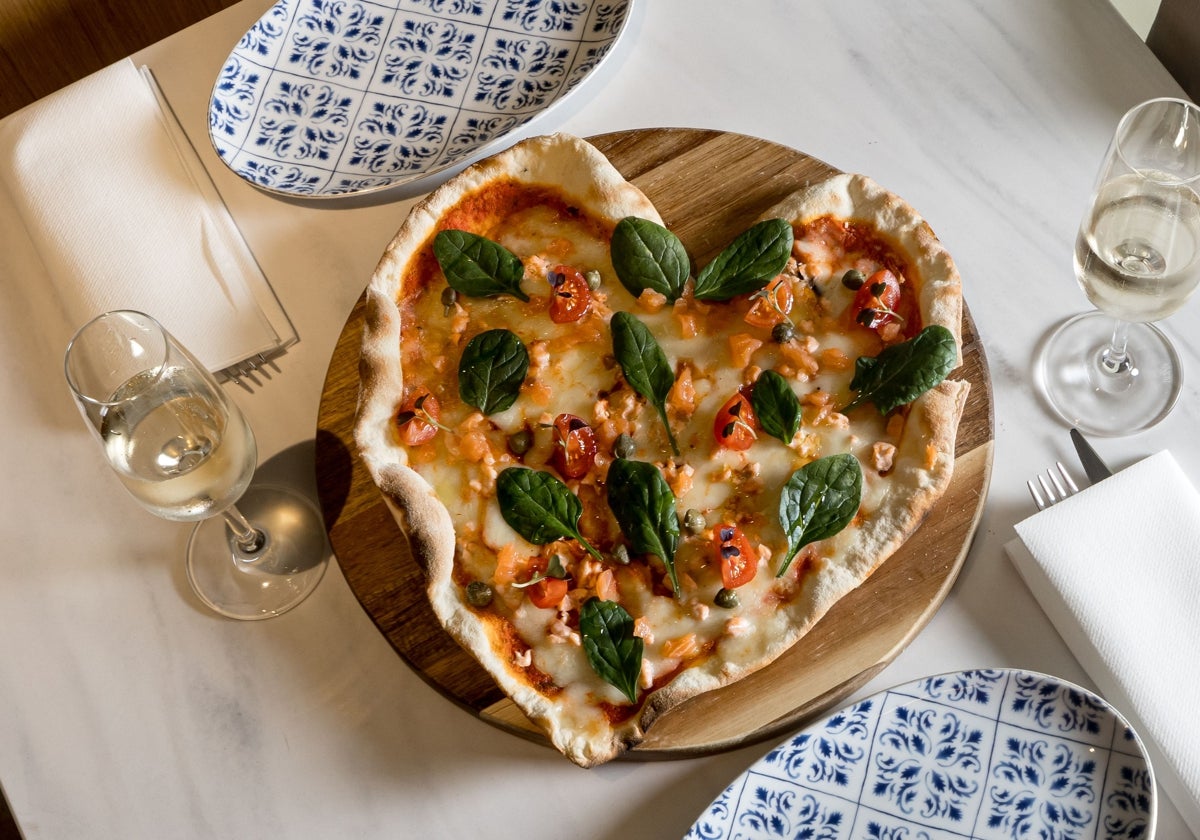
183 449
1137 258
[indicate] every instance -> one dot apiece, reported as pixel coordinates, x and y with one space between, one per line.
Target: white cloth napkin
122 215
1117 569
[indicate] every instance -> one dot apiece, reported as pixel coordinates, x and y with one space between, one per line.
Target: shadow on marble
293 467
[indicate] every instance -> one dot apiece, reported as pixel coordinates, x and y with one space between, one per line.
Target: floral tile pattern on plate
331 97
995 754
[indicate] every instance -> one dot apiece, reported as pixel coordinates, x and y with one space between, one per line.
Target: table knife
1093 465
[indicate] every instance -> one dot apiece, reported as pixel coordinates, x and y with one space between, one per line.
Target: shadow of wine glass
292 468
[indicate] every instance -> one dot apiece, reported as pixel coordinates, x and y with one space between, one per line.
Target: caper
449 298
624 447
593 279
694 521
520 442
620 555
479 594
783 332
853 279
726 598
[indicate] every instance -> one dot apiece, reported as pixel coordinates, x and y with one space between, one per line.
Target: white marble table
128 711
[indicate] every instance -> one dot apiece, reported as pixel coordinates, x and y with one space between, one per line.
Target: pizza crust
578 170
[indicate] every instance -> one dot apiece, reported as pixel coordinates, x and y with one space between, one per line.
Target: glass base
272 580
1097 401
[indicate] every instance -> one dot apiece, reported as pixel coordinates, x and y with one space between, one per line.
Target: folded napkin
1117 569
121 214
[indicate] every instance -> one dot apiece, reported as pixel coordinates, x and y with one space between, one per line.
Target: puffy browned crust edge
581 173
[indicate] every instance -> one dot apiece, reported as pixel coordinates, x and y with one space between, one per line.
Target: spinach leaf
491 370
818 501
644 506
904 371
540 508
644 364
748 263
646 255
614 653
776 406
478 267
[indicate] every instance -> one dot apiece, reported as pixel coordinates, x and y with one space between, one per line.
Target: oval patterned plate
325 98
976 754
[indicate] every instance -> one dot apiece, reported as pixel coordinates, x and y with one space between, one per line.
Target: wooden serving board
708 186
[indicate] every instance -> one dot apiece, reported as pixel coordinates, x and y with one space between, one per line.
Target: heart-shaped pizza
630 479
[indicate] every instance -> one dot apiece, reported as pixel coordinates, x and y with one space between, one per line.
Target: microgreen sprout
554 569
768 293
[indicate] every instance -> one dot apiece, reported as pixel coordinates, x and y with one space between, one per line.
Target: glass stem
248 539
1115 358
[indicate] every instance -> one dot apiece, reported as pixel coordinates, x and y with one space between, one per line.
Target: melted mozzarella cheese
573 371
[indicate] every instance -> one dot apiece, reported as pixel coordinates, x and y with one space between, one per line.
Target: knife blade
1093 464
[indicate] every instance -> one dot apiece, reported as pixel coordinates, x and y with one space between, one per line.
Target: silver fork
1050 489
244 373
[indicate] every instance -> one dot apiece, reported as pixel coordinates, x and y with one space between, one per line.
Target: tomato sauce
485 211
861 240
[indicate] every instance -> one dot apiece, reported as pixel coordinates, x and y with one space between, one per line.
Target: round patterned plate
976 754
327 98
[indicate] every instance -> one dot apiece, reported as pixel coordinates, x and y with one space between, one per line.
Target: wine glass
183 449
1137 258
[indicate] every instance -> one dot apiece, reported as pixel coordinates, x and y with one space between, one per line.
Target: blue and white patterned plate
325 98
976 754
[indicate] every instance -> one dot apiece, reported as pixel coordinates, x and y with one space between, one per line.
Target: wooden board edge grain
828 664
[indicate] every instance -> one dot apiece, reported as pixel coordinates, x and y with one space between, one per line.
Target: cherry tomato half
736 425
574 446
881 295
412 420
547 593
570 297
772 305
738 559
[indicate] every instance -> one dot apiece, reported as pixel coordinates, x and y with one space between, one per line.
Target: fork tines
240 372
1050 488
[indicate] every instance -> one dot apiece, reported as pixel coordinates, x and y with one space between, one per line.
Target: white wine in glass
183 449
1137 258
180 453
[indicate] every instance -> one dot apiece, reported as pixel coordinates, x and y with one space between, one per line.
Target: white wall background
1139 13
